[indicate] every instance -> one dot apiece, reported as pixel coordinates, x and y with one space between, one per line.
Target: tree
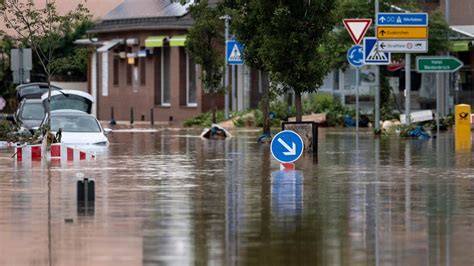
42 29
205 43
247 19
288 34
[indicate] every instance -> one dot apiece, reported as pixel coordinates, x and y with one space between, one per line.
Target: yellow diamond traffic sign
402 33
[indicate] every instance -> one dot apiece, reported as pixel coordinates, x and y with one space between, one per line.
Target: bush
325 103
204 119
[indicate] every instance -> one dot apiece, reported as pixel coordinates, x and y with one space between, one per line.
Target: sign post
287 146
234 57
355 56
438 64
357 29
403 33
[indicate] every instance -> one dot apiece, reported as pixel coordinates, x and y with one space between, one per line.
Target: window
191 99
129 74
116 71
32 111
157 74
165 77
129 68
142 71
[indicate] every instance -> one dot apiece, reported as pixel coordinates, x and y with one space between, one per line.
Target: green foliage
325 103
203 120
387 113
204 43
44 29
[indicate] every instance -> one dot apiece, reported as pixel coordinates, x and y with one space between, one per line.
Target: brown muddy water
170 198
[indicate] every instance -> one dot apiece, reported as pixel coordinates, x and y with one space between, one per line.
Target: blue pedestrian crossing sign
234 53
287 146
372 55
355 56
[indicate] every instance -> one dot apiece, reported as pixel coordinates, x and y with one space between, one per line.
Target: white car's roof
68 92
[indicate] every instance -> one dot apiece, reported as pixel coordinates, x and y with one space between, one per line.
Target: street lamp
226 18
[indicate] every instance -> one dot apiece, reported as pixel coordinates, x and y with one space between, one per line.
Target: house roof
145 15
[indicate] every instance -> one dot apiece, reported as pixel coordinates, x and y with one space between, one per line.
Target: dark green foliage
282 38
205 42
203 120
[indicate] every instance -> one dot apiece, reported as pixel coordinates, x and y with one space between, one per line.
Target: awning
154 41
178 40
460 46
108 45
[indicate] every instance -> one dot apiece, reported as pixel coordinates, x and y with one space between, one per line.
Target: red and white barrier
57 152
287 166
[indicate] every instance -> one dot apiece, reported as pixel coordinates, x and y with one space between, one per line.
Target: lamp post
226 18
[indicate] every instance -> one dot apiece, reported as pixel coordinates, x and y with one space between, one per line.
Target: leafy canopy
205 43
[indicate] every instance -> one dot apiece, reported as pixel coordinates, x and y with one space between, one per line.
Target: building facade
140 70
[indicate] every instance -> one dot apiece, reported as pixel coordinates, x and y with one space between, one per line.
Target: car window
74 124
70 102
32 111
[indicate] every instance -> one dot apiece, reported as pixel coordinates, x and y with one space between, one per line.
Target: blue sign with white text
355 56
234 52
372 55
287 146
402 19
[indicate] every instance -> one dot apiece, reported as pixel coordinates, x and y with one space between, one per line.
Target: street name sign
402 19
403 46
372 55
402 33
234 53
355 56
357 28
438 64
287 146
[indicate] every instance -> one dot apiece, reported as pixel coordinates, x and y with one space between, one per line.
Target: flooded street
170 198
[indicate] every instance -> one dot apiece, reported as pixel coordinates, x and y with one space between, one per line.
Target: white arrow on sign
290 150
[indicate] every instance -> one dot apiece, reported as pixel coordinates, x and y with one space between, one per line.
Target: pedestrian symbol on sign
234 53
372 54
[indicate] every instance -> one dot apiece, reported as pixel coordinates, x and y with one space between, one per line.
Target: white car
79 129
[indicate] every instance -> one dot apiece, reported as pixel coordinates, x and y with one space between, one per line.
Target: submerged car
68 99
78 129
29 114
33 90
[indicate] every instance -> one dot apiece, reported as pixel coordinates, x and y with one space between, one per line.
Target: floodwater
170 198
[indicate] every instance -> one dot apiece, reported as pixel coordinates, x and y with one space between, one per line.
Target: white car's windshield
74 124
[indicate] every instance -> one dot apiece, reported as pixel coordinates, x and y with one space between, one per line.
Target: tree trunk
265 103
49 103
299 109
213 103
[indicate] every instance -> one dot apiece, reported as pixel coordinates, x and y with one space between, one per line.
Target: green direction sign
437 64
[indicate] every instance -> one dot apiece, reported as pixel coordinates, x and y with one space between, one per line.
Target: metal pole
357 98
407 88
438 95
377 81
226 77
234 88
447 76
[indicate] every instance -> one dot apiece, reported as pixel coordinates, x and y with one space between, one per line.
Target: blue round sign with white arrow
287 146
355 56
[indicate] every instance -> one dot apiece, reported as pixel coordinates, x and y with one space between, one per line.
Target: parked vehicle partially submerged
78 129
33 90
68 99
29 114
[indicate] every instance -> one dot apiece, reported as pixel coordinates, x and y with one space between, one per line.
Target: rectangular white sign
403 46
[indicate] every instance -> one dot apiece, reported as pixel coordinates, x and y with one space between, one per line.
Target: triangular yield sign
357 28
